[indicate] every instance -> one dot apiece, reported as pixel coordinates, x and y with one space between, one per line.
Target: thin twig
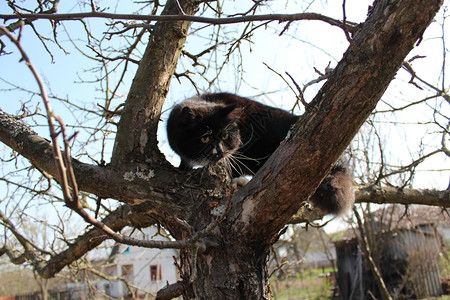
93 7
172 18
368 253
346 30
50 116
179 7
26 243
300 96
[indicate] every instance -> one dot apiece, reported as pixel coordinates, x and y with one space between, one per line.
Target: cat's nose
218 152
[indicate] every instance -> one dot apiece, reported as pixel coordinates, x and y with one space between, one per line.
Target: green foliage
444 265
17 282
310 284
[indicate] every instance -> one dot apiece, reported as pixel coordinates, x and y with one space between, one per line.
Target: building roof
400 217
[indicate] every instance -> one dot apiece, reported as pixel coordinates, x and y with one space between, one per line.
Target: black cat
205 129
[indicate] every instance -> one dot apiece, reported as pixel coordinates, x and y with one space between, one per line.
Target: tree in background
102 161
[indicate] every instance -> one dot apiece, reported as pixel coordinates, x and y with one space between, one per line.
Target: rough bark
136 133
234 265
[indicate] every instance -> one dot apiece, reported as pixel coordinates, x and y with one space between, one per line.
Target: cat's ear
227 109
187 114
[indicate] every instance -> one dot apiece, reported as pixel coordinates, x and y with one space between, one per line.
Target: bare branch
117 220
50 116
183 17
406 66
375 194
445 134
381 195
26 243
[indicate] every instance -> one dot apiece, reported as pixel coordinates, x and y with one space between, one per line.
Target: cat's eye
205 139
225 136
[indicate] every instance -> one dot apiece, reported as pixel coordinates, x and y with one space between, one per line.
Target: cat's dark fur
205 129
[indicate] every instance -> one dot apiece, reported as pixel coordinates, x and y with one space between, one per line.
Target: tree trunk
136 133
232 271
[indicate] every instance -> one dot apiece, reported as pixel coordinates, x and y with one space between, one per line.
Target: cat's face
204 135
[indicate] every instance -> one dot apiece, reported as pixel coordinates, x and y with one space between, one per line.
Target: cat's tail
335 194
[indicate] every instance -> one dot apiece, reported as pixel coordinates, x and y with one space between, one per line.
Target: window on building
127 271
111 270
155 272
107 288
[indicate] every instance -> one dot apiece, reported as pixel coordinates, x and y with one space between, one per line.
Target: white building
146 269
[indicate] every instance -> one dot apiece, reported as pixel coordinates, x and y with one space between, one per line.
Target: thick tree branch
20 21
131 186
117 220
136 133
332 119
171 291
380 195
38 151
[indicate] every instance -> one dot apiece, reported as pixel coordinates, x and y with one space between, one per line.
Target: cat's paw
240 181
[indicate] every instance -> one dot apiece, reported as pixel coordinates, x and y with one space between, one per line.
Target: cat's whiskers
228 165
236 164
232 164
248 140
242 156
